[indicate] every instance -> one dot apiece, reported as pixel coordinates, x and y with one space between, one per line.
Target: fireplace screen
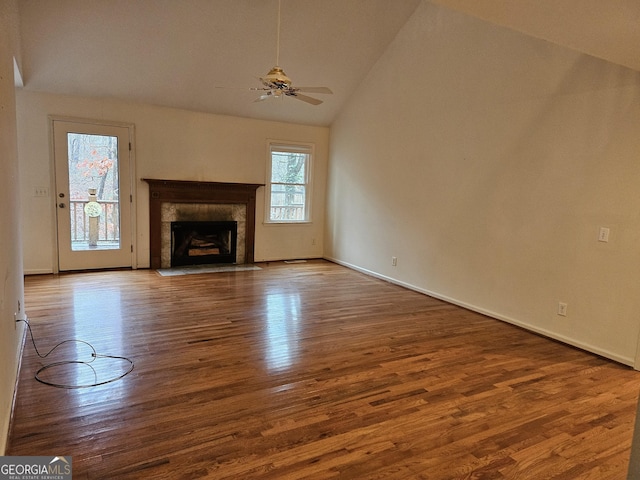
195 243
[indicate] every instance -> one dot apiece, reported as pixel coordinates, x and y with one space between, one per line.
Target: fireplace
184 200
198 243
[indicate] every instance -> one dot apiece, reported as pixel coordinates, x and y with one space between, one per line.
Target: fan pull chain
278 36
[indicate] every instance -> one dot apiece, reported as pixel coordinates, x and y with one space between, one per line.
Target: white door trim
132 181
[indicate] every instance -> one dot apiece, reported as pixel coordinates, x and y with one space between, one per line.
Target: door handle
61 205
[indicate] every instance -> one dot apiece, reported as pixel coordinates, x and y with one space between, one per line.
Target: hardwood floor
309 371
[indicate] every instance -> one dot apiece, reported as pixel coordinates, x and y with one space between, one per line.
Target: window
288 183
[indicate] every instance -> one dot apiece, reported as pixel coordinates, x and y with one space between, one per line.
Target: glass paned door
93 189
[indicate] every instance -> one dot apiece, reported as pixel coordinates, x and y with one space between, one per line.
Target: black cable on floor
94 356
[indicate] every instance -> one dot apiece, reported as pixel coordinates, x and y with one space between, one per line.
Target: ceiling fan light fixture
277 77
276 83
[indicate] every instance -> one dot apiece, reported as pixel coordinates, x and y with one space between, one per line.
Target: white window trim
293 147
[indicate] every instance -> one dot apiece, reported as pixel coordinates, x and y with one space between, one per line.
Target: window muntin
288 187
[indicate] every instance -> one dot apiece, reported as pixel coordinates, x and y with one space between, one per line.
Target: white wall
170 144
486 162
12 291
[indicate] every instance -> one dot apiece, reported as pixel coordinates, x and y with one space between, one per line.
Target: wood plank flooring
309 371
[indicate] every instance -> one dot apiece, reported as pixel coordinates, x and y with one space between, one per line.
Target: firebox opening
198 243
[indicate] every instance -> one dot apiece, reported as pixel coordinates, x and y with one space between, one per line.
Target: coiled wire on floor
94 356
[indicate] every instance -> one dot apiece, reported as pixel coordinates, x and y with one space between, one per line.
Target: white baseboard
5 439
278 259
38 271
527 326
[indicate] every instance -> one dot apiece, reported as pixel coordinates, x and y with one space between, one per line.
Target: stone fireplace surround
199 201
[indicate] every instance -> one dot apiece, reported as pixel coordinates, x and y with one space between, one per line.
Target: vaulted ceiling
205 55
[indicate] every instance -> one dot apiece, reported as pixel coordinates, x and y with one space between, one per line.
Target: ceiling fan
276 83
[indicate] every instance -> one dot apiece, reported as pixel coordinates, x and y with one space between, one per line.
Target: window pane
288 167
93 179
288 183
287 202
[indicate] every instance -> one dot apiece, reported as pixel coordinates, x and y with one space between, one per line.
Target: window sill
297 222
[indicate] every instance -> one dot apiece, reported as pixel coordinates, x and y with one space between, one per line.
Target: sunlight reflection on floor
283 329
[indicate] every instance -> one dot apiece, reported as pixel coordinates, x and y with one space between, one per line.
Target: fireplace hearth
201 243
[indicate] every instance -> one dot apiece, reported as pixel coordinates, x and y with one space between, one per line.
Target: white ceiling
176 52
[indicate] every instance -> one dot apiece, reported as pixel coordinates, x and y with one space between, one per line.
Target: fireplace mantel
185 191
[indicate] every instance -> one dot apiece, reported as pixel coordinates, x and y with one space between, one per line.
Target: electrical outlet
19 315
562 309
603 234
394 261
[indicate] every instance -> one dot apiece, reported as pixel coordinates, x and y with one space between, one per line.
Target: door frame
132 180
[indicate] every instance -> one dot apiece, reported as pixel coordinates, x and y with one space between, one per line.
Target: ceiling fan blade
234 88
304 98
269 94
313 90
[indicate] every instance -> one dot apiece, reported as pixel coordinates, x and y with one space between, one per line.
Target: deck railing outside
108 224
287 212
